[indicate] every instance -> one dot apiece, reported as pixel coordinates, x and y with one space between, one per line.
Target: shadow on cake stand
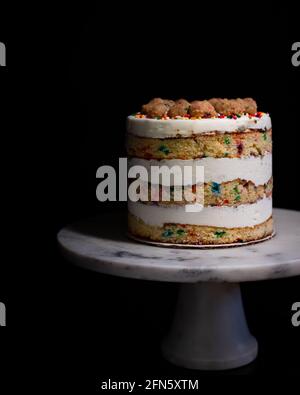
209 329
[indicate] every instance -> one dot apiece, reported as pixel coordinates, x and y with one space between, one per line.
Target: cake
232 140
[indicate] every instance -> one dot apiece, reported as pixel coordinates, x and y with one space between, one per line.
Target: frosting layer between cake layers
218 216
256 169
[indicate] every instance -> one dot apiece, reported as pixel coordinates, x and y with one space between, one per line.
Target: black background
86 68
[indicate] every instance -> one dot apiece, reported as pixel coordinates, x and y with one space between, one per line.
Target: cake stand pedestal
209 329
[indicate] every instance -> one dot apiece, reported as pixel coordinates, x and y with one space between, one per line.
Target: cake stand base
209 330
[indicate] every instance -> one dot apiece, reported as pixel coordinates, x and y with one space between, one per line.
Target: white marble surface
102 245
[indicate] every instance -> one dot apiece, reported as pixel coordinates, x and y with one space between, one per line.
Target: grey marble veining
102 245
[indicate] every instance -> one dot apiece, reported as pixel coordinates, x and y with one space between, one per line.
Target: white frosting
220 216
159 128
257 169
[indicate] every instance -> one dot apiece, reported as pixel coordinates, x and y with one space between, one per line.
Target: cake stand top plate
101 244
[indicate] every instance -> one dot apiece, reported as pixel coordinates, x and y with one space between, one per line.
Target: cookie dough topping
158 108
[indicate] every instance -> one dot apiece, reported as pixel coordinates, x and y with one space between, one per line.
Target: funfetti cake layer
230 193
195 234
215 145
233 142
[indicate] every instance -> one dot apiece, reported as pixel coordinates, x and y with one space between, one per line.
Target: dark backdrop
92 66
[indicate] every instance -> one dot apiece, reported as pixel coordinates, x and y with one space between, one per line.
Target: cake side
233 142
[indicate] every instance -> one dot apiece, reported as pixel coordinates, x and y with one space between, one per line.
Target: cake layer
216 145
219 216
163 128
231 193
257 169
195 234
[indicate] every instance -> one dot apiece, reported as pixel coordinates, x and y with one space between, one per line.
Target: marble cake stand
209 329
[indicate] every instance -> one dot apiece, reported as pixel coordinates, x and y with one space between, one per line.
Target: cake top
199 109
